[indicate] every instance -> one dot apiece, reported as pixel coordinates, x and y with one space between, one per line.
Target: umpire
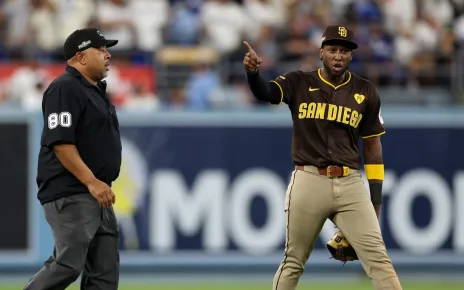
80 156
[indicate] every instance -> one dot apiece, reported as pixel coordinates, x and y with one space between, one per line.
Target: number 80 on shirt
63 119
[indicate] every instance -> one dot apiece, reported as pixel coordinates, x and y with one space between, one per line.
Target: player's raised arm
251 61
261 89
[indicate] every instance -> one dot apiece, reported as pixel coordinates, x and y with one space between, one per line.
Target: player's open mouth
337 67
107 66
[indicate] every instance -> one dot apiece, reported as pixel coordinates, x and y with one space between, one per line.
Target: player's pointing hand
251 61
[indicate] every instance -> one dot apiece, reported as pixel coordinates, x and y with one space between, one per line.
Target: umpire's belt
331 171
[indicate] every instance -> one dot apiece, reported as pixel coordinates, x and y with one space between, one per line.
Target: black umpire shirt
77 112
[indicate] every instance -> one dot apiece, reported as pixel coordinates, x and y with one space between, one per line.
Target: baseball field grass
258 286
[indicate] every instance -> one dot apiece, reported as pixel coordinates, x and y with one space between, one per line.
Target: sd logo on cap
339 34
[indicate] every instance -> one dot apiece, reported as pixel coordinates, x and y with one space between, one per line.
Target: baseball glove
340 249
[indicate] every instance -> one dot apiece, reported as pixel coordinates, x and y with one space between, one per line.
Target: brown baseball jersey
328 120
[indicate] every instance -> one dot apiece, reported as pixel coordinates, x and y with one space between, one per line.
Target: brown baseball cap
339 34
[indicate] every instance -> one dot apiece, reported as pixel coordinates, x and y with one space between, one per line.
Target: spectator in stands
70 16
14 15
149 18
116 21
380 54
42 27
406 42
237 94
295 41
118 88
367 10
176 98
268 49
203 88
140 99
184 26
3 99
224 23
400 18
26 85
262 14
440 12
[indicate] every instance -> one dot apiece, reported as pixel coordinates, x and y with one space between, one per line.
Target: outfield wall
206 190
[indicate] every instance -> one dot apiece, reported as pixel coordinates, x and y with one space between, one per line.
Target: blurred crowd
195 46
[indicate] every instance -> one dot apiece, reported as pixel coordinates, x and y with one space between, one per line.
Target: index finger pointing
248 46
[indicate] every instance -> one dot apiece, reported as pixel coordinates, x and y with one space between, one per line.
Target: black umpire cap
82 39
339 34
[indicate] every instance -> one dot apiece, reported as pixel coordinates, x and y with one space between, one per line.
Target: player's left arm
371 130
374 168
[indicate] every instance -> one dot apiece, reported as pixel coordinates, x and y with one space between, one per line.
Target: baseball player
331 108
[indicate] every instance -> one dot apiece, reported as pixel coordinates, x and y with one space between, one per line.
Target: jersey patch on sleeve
380 116
63 119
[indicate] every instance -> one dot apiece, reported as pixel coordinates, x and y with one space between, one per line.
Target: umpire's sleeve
61 109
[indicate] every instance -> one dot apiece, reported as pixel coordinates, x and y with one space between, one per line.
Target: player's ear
321 52
351 54
81 57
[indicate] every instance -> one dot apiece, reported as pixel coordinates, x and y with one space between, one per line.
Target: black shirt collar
73 71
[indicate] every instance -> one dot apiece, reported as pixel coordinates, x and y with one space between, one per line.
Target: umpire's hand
251 60
102 192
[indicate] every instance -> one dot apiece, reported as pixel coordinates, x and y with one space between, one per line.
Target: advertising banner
210 193
14 209
220 190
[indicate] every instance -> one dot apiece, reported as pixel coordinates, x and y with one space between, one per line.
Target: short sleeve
287 84
61 109
373 124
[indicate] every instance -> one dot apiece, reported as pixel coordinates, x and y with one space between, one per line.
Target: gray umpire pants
86 241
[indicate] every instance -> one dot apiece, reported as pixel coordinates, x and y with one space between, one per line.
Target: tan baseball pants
311 199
